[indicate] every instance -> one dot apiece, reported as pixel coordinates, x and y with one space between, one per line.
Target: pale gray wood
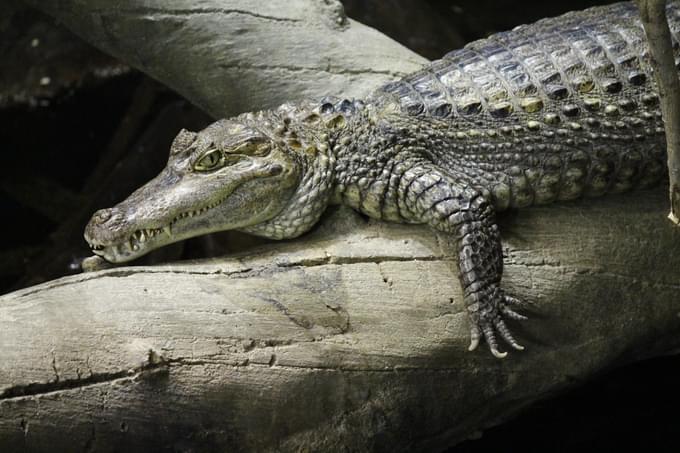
353 337
231 56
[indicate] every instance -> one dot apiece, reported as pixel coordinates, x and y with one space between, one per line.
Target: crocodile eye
211 160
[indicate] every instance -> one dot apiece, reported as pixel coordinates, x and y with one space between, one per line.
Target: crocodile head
238 173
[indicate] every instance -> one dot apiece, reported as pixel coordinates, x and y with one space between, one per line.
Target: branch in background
232 56
653 14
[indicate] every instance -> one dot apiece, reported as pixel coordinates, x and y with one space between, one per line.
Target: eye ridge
252 148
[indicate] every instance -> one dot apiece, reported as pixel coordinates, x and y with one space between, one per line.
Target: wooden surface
353 336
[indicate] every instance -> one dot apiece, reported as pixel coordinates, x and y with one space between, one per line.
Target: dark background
80 131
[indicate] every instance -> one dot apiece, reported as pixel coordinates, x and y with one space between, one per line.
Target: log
353 337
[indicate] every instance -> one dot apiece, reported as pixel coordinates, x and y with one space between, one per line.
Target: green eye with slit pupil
209 161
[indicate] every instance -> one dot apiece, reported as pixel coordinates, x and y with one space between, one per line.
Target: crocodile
560 109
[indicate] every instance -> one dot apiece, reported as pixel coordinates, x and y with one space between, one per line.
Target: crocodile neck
310 199
372 154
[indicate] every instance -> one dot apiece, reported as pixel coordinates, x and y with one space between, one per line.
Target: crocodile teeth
167 230
183 215
140 235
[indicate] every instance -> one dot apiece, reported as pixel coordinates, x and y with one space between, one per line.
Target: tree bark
653 15
351 338
238 55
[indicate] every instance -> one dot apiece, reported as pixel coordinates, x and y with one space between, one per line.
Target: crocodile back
552 90
598 52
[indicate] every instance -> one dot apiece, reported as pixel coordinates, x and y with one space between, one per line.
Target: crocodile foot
487 320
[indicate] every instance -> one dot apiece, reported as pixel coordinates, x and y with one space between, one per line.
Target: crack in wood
300 322
54 367
337 70
154 362
248 271
187 12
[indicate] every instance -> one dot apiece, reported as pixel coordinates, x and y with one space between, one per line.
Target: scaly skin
556 110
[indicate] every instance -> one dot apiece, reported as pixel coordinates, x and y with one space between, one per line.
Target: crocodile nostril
101 216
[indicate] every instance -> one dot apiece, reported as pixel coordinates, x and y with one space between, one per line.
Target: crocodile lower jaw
134 245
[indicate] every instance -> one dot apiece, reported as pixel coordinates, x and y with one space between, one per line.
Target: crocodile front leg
432 196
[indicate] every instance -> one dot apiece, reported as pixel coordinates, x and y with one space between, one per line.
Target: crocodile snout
104 227
102 216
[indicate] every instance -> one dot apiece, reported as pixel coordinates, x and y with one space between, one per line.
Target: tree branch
653 15
239 55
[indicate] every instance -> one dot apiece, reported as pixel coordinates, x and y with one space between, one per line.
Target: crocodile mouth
135 235
143 240
133 243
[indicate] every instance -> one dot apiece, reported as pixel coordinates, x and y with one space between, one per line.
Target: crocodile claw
489 323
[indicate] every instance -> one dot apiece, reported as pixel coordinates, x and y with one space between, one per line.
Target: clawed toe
490 337
512 314
474 338
491 324
515 302
499 355
507 336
